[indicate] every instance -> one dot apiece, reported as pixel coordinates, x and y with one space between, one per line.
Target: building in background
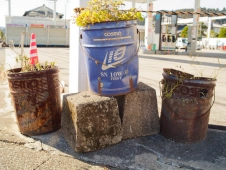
49 31
42 11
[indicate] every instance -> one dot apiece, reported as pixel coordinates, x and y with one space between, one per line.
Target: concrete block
139 112
90 122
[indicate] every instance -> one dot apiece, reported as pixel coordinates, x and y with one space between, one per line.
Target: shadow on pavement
151 151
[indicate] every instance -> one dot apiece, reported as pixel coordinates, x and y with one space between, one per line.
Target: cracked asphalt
51 151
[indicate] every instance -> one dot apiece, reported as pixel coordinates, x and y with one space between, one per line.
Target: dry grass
199 69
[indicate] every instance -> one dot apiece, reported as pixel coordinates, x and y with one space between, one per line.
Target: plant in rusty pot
35 92
186 105
109 39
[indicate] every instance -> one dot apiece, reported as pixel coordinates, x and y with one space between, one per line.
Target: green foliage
213 34
169 87
104 10
27 67
203 28
184 32
1 35
222 33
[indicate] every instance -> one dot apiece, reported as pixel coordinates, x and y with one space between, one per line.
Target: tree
213 34
222 33
184 32
203 29
1 35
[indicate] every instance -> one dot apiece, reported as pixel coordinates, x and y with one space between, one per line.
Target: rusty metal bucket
36 100
186 105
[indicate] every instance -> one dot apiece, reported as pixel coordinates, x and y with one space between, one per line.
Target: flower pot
111 50
36 100
185 115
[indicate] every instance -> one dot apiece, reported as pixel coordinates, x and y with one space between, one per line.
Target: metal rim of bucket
17 72
190 79
109 22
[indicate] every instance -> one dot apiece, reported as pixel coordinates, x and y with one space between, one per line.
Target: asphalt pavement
51 151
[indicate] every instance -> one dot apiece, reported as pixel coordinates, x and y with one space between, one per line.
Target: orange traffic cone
33 50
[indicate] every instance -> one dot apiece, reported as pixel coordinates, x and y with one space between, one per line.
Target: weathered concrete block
90 122
139 112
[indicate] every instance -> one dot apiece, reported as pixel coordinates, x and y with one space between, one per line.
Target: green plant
184 32
27 67
170 87
2 36
104 10
213 34
222 33
202 29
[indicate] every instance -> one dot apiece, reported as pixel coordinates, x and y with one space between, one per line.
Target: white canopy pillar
133 3
9 11
77 68
209 30
54 12
148 39
195 24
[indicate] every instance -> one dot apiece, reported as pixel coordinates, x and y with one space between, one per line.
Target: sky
18 7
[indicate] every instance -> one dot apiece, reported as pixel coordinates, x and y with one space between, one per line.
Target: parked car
181 43
198 47
5 45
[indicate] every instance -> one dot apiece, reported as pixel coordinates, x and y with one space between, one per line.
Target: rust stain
99 85
36 98
185 115
131 85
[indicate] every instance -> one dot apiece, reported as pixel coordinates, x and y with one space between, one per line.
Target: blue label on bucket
111 57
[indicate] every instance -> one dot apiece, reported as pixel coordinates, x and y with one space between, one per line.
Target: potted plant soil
109 39
186 105
35 92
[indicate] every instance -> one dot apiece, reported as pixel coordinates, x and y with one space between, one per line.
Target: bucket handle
119 64
160 88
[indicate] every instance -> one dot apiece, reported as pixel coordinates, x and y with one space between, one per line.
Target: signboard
158 21
174 20
37 25
16 25
57 26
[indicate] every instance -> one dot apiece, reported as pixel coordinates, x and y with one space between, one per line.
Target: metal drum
185 115
36 100
111 57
